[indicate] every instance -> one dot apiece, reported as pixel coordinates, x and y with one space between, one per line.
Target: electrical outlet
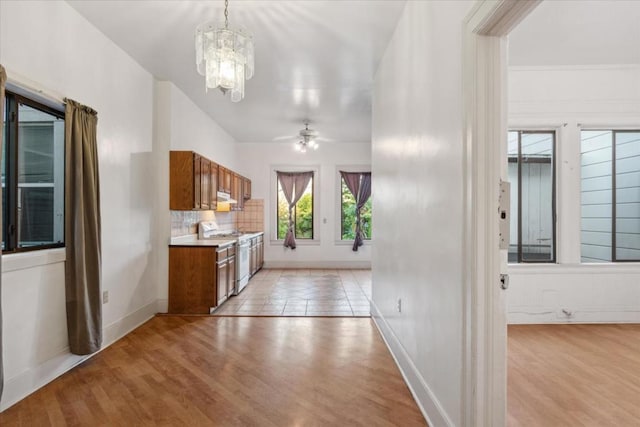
399 305
105 297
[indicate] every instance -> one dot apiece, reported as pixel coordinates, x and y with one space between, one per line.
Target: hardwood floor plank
586 375
231 371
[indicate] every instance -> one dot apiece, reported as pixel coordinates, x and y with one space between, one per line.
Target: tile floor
299 292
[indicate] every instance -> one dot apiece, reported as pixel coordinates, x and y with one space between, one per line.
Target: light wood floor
574 375
231 371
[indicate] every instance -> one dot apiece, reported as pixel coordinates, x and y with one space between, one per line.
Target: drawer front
260 238
221 254
231 250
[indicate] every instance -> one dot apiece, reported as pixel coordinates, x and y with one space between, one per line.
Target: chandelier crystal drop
224 56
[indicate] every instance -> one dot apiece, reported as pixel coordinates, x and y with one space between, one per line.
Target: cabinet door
222 279
231 276
253 257
197 181
220 178
246 189
260 254
236 191
213 199
205 183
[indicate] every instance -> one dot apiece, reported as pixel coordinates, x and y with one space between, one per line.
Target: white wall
180 125
417 167
568 99
64 54
256 162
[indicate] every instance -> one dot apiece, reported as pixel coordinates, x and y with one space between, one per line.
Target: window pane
283 214
627 195
596 196
512 173
40 178
304 214
537 196
348 207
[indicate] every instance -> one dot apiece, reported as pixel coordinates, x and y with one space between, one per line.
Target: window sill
350 242
299 242
25 260
584 268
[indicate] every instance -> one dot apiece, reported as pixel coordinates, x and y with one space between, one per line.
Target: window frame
10 211
554 212
338 213
614 187
315 203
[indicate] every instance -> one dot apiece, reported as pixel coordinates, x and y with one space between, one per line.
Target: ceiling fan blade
284 138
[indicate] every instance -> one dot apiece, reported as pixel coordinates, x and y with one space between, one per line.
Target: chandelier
224 56
307 139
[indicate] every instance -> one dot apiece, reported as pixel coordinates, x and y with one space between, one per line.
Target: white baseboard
341 265
431 408
22 385
162 305
533 315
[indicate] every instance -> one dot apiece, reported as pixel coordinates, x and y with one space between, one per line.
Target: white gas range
208 230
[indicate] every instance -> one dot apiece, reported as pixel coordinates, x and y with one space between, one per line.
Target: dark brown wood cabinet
191 184
205 183
260 250
192 280
246 188
224 179
237 191
200 278
194 182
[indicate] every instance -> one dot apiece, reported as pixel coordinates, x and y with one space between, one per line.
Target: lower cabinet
200 278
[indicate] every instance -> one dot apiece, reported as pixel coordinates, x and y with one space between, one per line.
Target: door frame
485 68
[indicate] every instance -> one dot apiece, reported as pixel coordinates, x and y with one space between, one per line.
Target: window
348 214
531 170
32 175
610 169
302 213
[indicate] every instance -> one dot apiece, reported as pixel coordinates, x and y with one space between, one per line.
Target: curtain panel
293 186
82 230
359 184
3 80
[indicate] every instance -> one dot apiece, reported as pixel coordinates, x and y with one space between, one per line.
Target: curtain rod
22 83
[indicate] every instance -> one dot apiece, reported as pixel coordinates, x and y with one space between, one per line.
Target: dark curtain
82 230
359 184
293 185
3 79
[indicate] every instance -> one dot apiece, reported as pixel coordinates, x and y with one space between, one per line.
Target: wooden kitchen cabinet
260 252
189 182
205 183
224 179
237 191
192 280
221 285
246 188
231 275
214 186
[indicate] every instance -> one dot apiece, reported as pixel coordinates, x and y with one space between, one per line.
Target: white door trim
485 133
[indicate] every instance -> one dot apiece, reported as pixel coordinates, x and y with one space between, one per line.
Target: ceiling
569 32
315 60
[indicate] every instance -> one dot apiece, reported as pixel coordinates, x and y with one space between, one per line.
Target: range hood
226 198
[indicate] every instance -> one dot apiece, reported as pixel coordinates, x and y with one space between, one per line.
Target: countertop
192 240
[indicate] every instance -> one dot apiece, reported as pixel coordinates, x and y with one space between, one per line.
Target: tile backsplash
252 218
186 222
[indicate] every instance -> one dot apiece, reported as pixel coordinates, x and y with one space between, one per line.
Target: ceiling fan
307 139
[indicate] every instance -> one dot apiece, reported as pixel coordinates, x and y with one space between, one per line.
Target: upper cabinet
195 180
224 179
246 188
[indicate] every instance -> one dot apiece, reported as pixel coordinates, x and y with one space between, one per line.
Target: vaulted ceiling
315 60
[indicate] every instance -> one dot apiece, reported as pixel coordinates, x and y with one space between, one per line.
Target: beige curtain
3 79
82 230
293 186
